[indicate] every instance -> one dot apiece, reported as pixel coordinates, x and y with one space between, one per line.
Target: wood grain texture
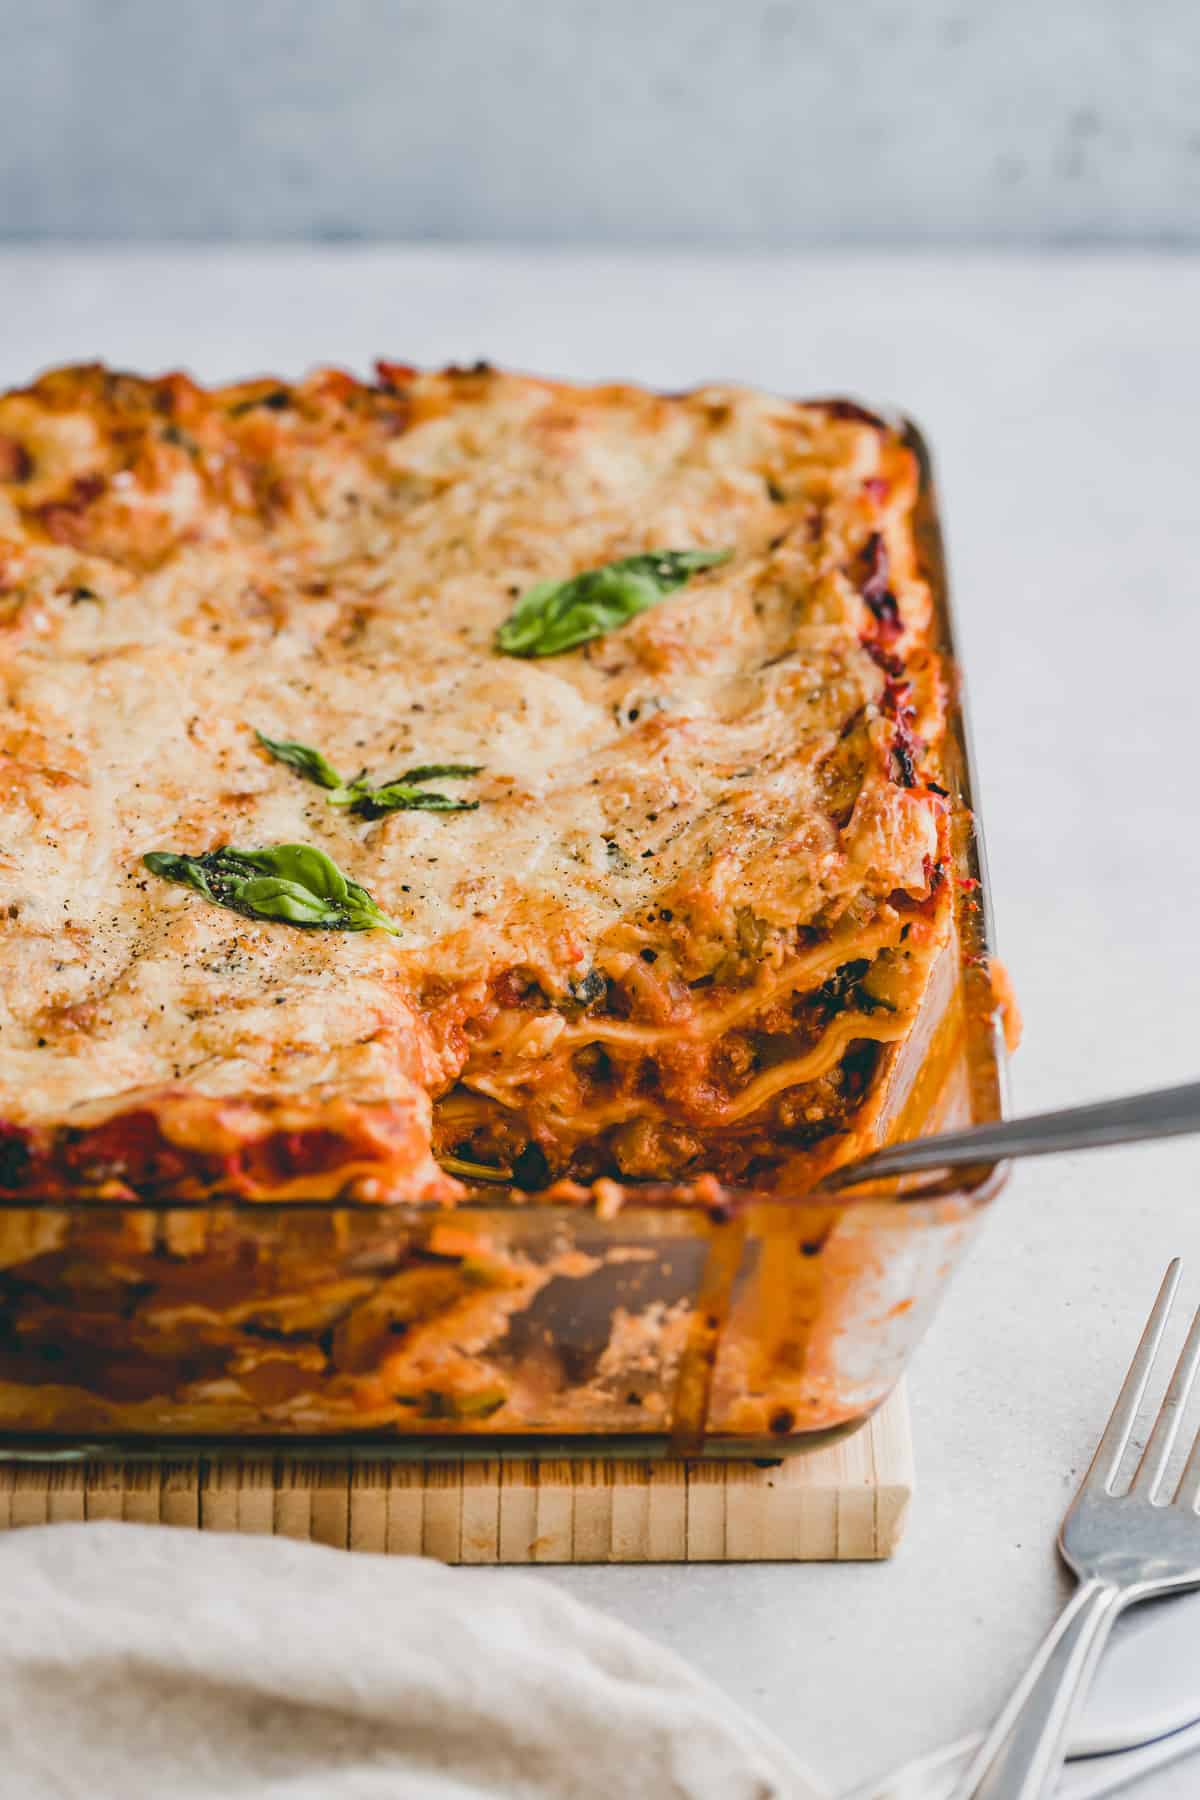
845 1503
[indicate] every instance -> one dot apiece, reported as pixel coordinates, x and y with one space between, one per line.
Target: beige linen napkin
140 1661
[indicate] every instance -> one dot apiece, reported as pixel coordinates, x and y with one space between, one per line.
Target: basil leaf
401 795
440 772
398 796
270 897
187 869
360 796
301 863
293 882
306 761
554 616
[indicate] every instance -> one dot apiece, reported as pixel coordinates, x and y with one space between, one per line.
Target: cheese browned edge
706 879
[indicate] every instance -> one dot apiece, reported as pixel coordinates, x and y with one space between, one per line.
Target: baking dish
647 1320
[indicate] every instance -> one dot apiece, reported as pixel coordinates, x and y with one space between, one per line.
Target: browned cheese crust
704 883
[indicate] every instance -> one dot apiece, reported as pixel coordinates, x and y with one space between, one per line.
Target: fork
1123 1548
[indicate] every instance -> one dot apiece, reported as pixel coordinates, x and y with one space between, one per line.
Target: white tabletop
1062 398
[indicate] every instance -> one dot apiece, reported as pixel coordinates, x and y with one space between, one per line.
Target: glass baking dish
649 1321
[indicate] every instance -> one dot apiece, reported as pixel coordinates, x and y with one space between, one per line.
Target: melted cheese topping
329 562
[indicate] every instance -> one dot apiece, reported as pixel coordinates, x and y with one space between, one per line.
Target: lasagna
453 778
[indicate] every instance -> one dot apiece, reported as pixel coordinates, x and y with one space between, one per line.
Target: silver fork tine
1117 1432
1170 1414
1188 1491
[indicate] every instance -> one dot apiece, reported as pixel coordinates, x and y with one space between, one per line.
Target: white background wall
760 122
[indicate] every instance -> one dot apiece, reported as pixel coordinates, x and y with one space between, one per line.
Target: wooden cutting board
845 1503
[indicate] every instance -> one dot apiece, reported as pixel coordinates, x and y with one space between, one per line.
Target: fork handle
1020 1757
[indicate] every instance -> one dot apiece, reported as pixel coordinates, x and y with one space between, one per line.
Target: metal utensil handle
1167 1112
939 1775
1021 1754
1097 1775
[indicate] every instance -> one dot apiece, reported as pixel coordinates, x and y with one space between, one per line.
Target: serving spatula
1167 1112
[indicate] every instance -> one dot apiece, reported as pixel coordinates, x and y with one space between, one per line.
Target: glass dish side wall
762 1326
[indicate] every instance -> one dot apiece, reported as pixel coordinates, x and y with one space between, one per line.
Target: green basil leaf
300 863
269 897
439 772
301 757
187 869
360 796
361 909
401 796
554 616
293 882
